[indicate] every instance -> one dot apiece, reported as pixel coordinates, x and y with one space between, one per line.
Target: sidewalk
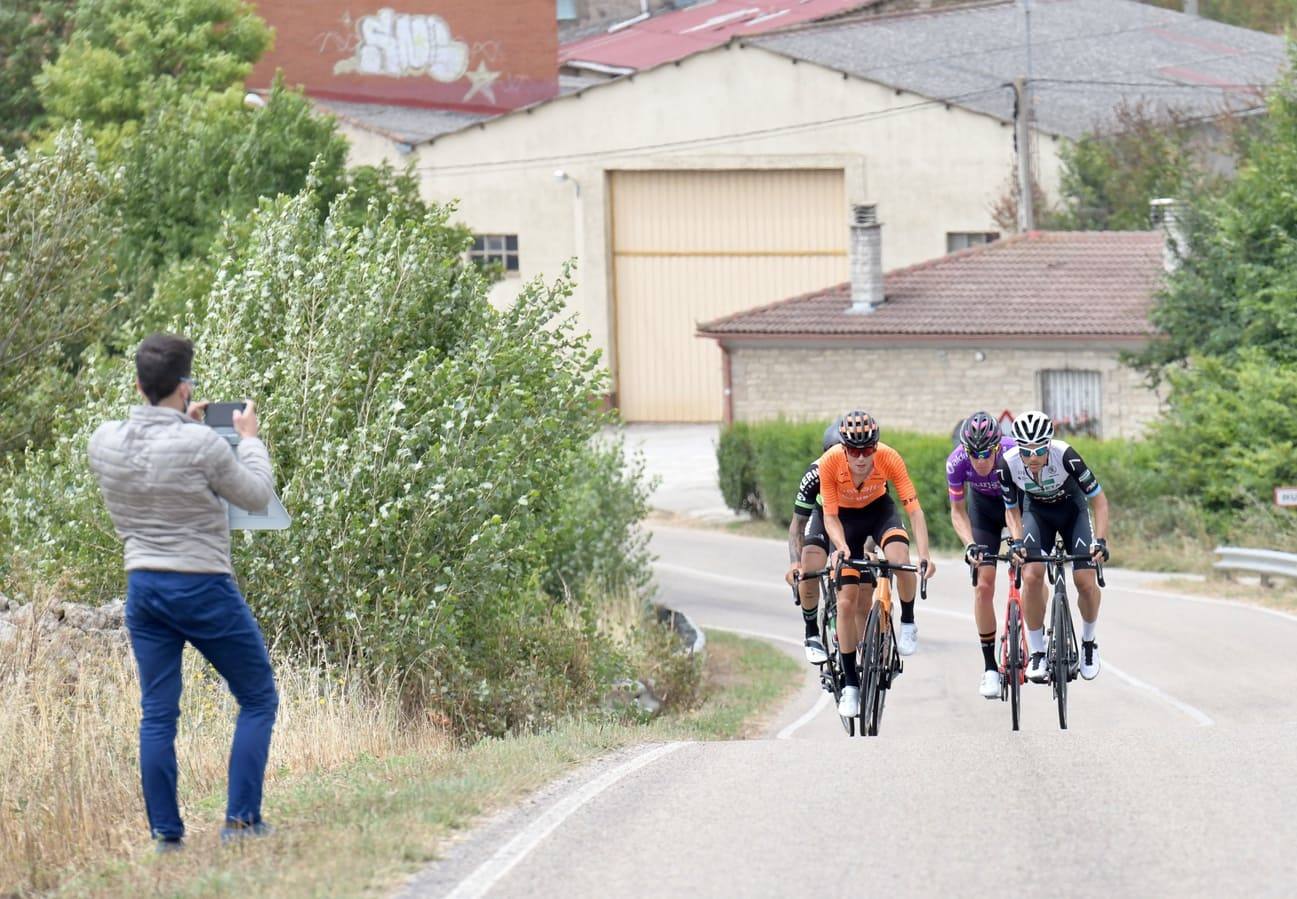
684 458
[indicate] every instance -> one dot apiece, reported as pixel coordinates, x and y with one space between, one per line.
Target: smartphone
221 415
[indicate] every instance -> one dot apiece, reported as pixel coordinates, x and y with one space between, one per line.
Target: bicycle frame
1013 666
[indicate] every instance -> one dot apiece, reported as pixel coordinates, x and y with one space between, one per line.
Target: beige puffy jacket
163 476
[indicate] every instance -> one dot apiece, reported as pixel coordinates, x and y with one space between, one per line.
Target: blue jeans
164 609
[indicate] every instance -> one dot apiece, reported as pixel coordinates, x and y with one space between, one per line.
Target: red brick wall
465 54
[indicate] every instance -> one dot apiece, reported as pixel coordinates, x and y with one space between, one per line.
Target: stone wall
925 388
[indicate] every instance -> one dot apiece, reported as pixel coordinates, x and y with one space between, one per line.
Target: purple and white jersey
959 471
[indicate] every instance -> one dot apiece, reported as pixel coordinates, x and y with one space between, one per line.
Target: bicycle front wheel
1014 667
871 707
1058 652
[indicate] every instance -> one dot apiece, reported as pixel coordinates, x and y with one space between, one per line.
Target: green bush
457 517
736 464
778 452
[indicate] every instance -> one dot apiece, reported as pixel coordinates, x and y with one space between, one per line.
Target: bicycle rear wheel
1014 667
1058 652
871 705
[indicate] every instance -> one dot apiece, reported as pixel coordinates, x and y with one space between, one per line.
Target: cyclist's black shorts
880 520
1041 522
986 514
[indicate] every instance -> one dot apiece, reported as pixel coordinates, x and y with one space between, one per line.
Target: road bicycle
1062 654
878 658
1013 640
826 623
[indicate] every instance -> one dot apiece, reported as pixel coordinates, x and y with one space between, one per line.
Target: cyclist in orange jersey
857 506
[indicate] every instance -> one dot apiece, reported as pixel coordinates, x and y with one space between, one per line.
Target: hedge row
761 465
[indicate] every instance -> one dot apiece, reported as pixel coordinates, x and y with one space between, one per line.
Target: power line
511 164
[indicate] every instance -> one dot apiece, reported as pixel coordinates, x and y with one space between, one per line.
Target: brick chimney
866 259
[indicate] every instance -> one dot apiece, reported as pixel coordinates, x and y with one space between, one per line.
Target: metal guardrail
1265 562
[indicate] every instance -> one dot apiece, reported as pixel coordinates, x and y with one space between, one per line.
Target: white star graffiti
482 79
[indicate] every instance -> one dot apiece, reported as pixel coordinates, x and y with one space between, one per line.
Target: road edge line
503 860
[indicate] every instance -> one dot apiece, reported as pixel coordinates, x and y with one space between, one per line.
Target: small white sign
1285 496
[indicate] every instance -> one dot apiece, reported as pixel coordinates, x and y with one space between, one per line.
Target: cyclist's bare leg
984 600
907 582
808 590
1087 591
1033 595
854 601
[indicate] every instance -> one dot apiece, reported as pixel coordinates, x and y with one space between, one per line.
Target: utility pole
1022 146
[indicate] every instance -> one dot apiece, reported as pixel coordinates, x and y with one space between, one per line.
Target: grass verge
360 827
1282 596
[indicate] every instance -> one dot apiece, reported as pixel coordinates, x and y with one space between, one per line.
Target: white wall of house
930 169
927 387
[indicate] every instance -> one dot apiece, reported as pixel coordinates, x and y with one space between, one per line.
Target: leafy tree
57 232
1274 16
123 53
1108 179
31 33
1236 284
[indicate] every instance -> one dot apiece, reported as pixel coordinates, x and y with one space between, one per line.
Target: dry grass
69 763
1281 594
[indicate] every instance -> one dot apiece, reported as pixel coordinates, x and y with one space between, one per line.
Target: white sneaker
990 685
1090 660
815 653
849 704
908 641
1038 670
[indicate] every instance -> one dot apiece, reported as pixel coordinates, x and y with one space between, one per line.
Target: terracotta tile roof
1041 284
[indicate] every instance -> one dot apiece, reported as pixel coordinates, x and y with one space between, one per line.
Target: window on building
495 249
962 240
1073 400
566 10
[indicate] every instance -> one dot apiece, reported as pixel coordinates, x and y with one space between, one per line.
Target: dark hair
160 362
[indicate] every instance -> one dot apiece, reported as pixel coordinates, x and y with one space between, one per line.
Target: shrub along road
1176 776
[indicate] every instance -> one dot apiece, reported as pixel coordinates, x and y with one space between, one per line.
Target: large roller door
689 246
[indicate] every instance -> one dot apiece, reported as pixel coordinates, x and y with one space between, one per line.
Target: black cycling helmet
858 430
831 437
979 433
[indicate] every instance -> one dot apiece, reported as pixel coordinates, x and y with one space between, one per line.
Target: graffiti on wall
400 45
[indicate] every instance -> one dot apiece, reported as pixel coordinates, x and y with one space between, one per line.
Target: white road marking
820 705
808 717
1157 693
1193 712
498 865
1207 601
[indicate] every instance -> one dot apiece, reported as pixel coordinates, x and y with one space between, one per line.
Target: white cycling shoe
908 640
990 685
1090 660
1038 670
849 704
815 653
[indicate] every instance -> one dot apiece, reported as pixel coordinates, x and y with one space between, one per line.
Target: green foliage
199 158
57 232
1235 285
456 515
31 34
777 453
1229 432
124 53
1274 16
737 470
1108 179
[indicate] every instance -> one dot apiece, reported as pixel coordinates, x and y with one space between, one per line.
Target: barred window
498 249
1072 399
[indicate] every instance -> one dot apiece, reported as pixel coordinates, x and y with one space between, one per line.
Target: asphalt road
1178 775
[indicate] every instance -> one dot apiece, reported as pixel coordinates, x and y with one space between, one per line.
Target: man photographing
163 475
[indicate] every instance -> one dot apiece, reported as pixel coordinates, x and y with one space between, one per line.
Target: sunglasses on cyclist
1037 451
984 454
861 451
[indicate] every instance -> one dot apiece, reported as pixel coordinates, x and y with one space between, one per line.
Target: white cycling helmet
1033 428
